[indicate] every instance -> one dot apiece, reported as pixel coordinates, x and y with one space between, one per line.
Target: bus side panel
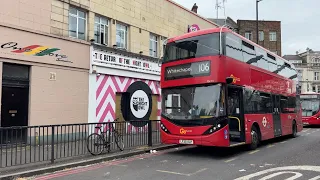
265 122
286 121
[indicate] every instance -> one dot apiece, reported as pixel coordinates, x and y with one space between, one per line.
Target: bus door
235 113
276 116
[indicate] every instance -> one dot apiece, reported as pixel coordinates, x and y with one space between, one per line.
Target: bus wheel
294 129
254 138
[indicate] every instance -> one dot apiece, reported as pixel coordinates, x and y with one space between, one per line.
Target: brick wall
266 27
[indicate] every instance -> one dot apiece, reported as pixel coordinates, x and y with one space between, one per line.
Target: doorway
235 114
14 101
276 116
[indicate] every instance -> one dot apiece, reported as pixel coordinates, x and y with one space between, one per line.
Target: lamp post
257 20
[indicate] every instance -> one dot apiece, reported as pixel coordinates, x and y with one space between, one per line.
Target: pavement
282 158
17 156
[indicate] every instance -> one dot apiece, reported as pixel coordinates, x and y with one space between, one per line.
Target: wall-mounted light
141 52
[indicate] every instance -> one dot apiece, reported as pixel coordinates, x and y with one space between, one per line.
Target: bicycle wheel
95 144
119 141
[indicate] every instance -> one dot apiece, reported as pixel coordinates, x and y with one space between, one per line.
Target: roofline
259 20
184 8
217 30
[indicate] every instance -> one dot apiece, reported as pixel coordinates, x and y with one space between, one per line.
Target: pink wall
108 86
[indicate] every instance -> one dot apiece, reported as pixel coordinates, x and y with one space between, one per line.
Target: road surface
283 158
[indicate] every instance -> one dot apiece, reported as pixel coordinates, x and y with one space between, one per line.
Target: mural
108 86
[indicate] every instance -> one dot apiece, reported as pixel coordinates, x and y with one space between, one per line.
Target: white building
308 67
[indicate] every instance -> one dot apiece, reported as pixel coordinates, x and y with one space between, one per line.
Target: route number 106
204 67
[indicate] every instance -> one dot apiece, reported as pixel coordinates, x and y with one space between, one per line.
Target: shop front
44 79
123 85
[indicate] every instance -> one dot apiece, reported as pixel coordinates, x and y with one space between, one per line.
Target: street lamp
257 20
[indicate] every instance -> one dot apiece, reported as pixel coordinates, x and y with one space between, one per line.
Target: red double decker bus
310 104
220 89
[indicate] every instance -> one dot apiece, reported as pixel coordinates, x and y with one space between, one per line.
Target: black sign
311 96
201 68
136 104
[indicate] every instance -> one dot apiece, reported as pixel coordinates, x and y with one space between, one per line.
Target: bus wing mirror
229 80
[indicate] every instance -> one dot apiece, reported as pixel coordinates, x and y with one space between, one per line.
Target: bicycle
101 141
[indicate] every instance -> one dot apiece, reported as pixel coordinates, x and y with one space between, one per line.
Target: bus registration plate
305 123
186 141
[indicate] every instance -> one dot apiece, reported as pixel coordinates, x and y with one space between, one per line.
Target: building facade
44 77
308 67
127 41
269 33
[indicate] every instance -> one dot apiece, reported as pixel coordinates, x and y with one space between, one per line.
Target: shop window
77 23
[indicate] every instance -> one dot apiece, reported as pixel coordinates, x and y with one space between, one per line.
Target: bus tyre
254 138
294 129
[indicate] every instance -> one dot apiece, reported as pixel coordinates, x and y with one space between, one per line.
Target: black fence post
52 144
149 133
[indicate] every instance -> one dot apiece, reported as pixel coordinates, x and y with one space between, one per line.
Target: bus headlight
214 128
164 128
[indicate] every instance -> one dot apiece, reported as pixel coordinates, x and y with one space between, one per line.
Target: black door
14 109
235 113
14 102
276 116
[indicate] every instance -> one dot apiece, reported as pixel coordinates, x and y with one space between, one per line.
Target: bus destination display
201 68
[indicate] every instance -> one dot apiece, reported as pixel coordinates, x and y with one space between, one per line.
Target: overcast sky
296 16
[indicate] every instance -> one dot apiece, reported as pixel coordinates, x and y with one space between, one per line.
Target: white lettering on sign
126 63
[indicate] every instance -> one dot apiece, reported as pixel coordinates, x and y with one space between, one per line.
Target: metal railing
31 144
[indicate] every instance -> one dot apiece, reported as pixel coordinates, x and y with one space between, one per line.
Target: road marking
285 168
315 178
171 172
272 145
283 142
296 176
308 133
121 165
229 160
182 174
252 152
318 129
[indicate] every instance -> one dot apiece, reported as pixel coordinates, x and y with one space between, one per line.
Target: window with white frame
122 36
273 36
316 76
77 23
261 36
248 35
101 30
153 45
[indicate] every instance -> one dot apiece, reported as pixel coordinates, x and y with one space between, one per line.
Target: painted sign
138 97
35 50
193 28
126 63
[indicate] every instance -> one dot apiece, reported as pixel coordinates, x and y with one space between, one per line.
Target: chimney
195 8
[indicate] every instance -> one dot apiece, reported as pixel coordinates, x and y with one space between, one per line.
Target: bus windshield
204 45
310 107
191 103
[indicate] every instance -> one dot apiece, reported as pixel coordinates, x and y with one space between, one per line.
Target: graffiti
35 50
